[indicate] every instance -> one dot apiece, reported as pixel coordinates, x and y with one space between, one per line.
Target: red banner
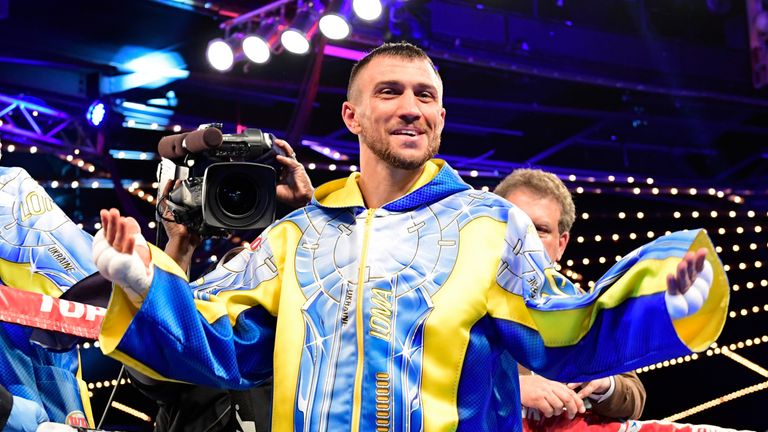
49 313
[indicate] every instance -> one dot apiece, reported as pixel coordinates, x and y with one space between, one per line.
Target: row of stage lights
311 166
652 234
137 189
727 351
714 214
259 40
713 350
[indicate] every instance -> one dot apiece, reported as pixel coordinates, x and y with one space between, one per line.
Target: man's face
544 212
396 110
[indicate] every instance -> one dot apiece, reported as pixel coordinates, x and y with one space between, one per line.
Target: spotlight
220 55
367 10
96 113
256 49
335 23
296 37
257 45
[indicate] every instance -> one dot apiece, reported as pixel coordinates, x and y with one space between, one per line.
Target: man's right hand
122 255
551 398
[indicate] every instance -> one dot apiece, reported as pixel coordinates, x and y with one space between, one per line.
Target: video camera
237 188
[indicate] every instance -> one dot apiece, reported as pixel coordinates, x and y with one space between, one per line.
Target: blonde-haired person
547 201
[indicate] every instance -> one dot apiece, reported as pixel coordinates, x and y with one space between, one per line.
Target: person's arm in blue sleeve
222 336
637 314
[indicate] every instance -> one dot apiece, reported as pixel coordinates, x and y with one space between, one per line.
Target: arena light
256 49
257 45
335 22
367 10
96 114
296 37
220 55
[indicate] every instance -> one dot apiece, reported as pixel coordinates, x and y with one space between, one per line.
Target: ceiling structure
633 102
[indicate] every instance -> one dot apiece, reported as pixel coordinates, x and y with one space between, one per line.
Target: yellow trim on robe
431 168
467 293
84 392
166 263
21 276
289 340
511 307
333 195
121 311
357 390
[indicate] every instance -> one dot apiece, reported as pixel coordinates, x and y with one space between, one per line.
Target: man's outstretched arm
630 320
225 340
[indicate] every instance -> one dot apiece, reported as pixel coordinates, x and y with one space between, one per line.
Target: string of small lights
713 214
132 411
714 349
715 402
655 191
106 384
744 362
667 363
745 311
749 285
726 351
597 238
77 161
668 190
616 183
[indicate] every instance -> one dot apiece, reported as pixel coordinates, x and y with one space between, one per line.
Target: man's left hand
688 287
687 272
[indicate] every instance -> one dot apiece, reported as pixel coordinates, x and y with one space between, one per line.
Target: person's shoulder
480 198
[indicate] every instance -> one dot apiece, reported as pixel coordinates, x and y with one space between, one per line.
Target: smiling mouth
406 132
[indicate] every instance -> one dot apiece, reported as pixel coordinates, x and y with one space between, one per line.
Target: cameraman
184 407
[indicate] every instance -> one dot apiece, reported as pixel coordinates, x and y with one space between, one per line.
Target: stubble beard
379 146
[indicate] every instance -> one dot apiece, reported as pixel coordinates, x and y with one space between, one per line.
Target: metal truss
32 122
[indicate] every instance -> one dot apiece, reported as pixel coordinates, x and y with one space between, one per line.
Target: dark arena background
653 112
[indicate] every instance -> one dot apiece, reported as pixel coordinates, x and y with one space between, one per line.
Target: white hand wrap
683 305
128 271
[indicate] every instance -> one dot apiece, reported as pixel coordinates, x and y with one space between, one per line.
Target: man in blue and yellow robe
380 314
394 317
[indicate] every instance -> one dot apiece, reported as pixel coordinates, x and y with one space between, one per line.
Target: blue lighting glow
96 114
145 68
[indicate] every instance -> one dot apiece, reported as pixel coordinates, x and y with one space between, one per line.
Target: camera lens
237 196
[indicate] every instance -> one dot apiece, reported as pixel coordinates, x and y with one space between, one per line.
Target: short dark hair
403 50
